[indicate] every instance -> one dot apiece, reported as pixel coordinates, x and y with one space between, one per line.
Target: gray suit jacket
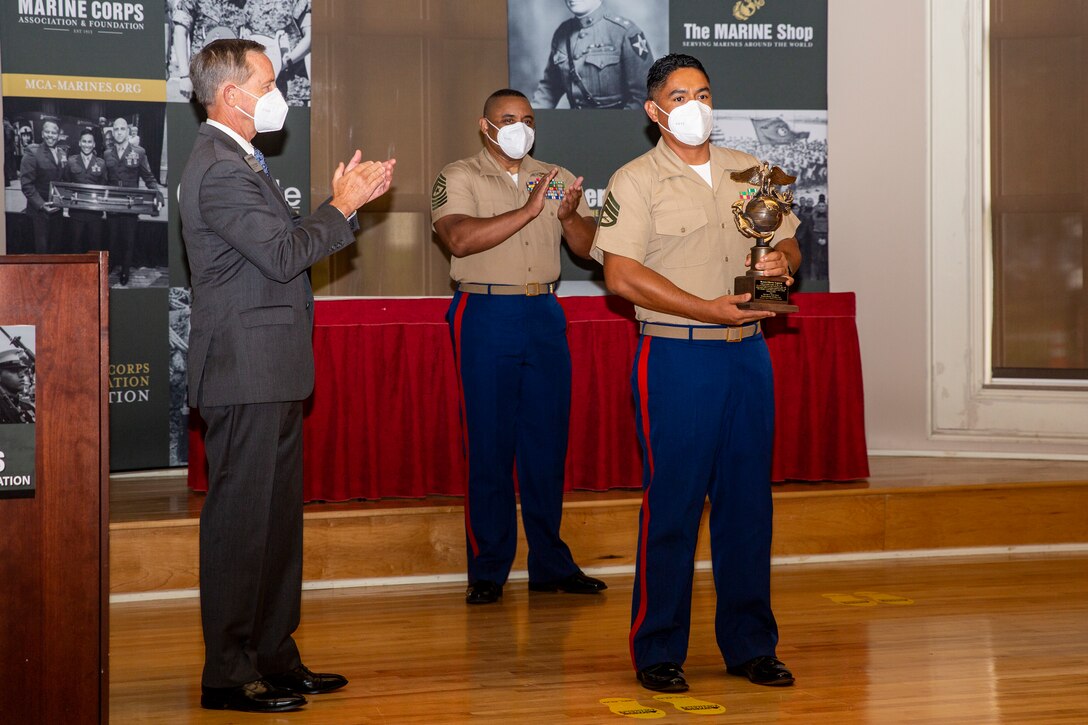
252 315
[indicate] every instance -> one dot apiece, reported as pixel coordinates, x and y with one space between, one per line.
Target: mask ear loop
497 129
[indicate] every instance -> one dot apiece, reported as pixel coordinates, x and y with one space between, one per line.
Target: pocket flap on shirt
257 316
603 58
680 222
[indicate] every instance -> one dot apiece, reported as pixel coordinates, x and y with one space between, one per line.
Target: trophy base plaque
768 293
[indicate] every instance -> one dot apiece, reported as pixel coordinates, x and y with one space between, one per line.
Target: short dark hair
220 61
502 93
86 132
664 66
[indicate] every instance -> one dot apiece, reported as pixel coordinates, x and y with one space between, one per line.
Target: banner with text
583 66
88 166
18 416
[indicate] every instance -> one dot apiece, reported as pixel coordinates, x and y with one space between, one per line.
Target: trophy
759 218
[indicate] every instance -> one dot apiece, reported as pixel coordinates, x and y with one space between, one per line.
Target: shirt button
727 258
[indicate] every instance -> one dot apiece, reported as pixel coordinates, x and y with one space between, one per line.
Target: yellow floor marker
850 600
686 703
627 707
884 598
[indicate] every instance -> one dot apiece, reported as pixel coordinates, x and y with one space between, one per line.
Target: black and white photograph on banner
283 27
18 414
181 303
17 374
585 54
91 176
796 141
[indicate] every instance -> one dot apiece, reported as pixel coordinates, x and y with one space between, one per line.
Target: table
383 420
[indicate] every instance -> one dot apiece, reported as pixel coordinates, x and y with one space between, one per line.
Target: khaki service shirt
479 187
659 212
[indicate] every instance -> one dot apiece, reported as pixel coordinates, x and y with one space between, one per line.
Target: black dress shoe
764 671
577 583
123 277
663 677
301 681
256 696
483 592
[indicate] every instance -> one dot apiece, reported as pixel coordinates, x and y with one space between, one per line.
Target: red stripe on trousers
457 315
644 409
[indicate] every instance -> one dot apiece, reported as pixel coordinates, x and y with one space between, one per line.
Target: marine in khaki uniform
502 214
702 382
597 60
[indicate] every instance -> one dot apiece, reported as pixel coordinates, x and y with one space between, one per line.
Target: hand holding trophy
759 218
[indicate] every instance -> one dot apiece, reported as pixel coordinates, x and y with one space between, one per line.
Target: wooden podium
54 559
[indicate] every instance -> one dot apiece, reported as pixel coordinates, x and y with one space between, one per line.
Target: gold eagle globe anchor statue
759 218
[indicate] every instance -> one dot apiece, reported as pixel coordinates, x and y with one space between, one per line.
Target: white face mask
270 111
515 140
690 123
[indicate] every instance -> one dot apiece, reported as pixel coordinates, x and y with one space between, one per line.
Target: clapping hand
358 182
535 205
571 198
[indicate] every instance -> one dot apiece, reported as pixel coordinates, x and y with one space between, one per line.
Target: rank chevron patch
438 192
610 212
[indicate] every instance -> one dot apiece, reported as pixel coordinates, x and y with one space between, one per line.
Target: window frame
966 401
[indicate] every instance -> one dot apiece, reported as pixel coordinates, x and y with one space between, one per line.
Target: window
1039 188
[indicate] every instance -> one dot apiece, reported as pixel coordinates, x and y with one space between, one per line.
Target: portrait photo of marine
17 378
91 178
283 27
585 54
795 141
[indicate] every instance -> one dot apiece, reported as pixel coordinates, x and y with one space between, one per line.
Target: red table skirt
383 420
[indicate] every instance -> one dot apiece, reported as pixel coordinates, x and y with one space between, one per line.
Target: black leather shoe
764 671
663 677
256 696
303 682
577 583
483 592
123 277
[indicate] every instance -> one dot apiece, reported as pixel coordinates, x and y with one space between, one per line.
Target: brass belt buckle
734 334
532 289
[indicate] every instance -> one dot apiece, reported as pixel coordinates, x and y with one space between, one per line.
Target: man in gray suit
250 368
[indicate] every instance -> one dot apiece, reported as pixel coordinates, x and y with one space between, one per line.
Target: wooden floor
973 640
908 505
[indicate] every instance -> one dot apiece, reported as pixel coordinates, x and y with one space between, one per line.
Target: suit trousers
513 366
251 541
705 418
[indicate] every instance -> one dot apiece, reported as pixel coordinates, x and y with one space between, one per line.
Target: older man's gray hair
221 61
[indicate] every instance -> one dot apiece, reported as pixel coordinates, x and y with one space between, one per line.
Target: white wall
877 188
880 137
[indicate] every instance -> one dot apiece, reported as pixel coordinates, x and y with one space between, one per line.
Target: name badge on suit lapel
254 164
